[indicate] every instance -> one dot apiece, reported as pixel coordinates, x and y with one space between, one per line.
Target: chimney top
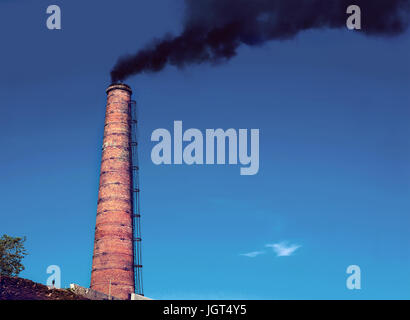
119 86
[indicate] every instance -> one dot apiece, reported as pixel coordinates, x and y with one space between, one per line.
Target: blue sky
334 179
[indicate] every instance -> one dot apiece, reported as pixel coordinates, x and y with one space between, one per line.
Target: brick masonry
112 267
95 295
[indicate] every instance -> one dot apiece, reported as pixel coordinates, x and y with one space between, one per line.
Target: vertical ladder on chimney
136 214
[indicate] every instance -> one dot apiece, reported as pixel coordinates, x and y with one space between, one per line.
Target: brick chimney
112 268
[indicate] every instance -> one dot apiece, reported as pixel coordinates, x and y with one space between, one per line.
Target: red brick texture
113 244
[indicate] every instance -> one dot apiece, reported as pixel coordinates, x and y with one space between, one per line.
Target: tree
12 251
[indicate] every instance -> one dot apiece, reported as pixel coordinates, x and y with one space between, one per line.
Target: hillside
14 288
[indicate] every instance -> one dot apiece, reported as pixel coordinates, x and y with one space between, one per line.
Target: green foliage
12 251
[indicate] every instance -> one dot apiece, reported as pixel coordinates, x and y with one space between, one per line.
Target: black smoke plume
214 29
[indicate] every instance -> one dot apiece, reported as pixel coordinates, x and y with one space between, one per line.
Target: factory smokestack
214 29
113 259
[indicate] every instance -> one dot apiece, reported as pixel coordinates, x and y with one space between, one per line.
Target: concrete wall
95 295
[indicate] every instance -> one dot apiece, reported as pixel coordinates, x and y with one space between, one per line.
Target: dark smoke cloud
214 29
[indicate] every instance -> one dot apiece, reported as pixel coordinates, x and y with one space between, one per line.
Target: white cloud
252 254
282 249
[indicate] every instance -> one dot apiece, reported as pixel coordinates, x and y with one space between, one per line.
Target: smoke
214 29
